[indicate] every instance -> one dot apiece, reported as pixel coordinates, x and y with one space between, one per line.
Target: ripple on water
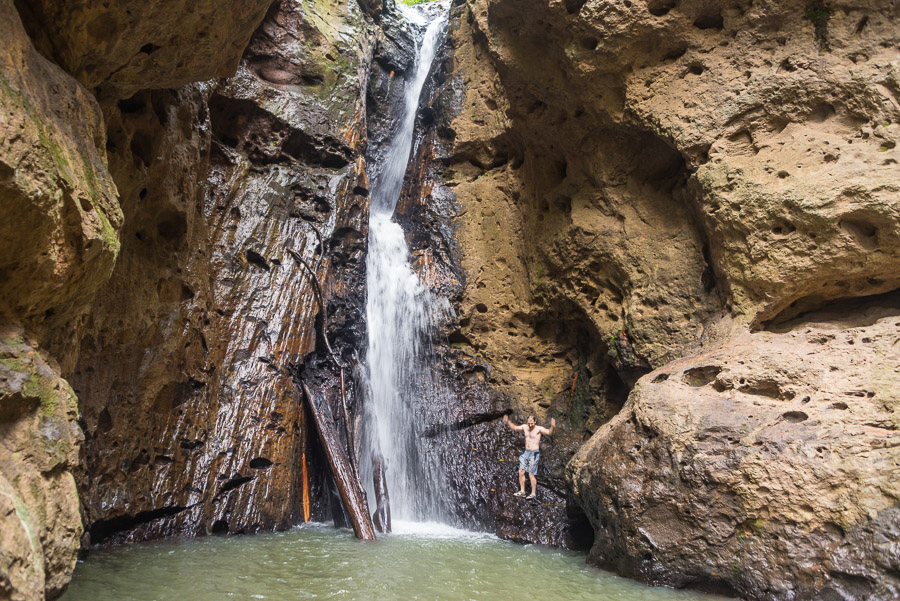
429 562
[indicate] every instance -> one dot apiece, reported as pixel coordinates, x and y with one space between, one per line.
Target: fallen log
382 517
473 420
352 496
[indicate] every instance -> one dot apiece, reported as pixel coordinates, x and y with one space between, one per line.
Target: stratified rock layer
228 188
768 463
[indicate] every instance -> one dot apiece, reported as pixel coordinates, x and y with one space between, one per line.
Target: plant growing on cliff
580 394
818 13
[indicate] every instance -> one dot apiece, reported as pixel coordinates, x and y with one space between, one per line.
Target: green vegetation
582 400
414 2
38 386
817 12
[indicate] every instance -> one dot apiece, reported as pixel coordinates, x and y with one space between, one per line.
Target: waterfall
400 312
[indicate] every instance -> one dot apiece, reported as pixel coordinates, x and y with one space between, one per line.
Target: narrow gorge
272 265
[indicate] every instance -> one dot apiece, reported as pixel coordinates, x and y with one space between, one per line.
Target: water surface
419 562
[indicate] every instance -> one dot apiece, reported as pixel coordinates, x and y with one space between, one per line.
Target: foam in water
437 531
400 312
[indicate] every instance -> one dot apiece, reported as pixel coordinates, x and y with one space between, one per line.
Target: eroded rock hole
795 416
709 21
701 376
861 231
574 6
660 8
103 530
172 227
822 113
254 258
142 147
219 527
234 483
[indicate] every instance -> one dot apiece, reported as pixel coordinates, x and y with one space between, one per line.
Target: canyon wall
675 186
671 225
164 243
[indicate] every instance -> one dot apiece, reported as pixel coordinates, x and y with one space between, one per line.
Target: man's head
530 422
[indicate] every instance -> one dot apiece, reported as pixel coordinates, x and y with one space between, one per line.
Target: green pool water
418 561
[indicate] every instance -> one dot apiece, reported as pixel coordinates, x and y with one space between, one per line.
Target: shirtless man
528 461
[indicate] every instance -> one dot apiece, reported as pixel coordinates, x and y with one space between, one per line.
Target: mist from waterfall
400 312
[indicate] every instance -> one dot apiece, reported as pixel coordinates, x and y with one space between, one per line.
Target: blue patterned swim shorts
528 461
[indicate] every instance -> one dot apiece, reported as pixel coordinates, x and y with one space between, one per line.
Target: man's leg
522 481
533 484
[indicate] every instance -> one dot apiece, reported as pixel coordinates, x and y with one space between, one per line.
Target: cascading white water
399 313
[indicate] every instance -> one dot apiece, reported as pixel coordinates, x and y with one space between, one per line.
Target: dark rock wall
208 316
479 454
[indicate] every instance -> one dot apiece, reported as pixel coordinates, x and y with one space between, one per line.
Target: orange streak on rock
305 490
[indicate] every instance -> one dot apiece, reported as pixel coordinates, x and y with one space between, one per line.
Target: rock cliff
162 241
228 188
644 185
670 224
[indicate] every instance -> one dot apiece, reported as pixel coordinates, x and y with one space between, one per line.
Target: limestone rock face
641 182
186 363
39 441
59 220
59 214
131 46
768 463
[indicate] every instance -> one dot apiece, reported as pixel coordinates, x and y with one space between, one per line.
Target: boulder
766 466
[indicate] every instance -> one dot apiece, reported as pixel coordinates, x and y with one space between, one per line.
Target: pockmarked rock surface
186 363
39 441
59 219
641 182
768 464
59 211
124 47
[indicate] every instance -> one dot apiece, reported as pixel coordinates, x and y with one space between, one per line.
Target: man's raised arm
549 431
510 424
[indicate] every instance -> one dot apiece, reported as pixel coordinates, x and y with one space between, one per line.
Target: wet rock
477 453
766 465
208 319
